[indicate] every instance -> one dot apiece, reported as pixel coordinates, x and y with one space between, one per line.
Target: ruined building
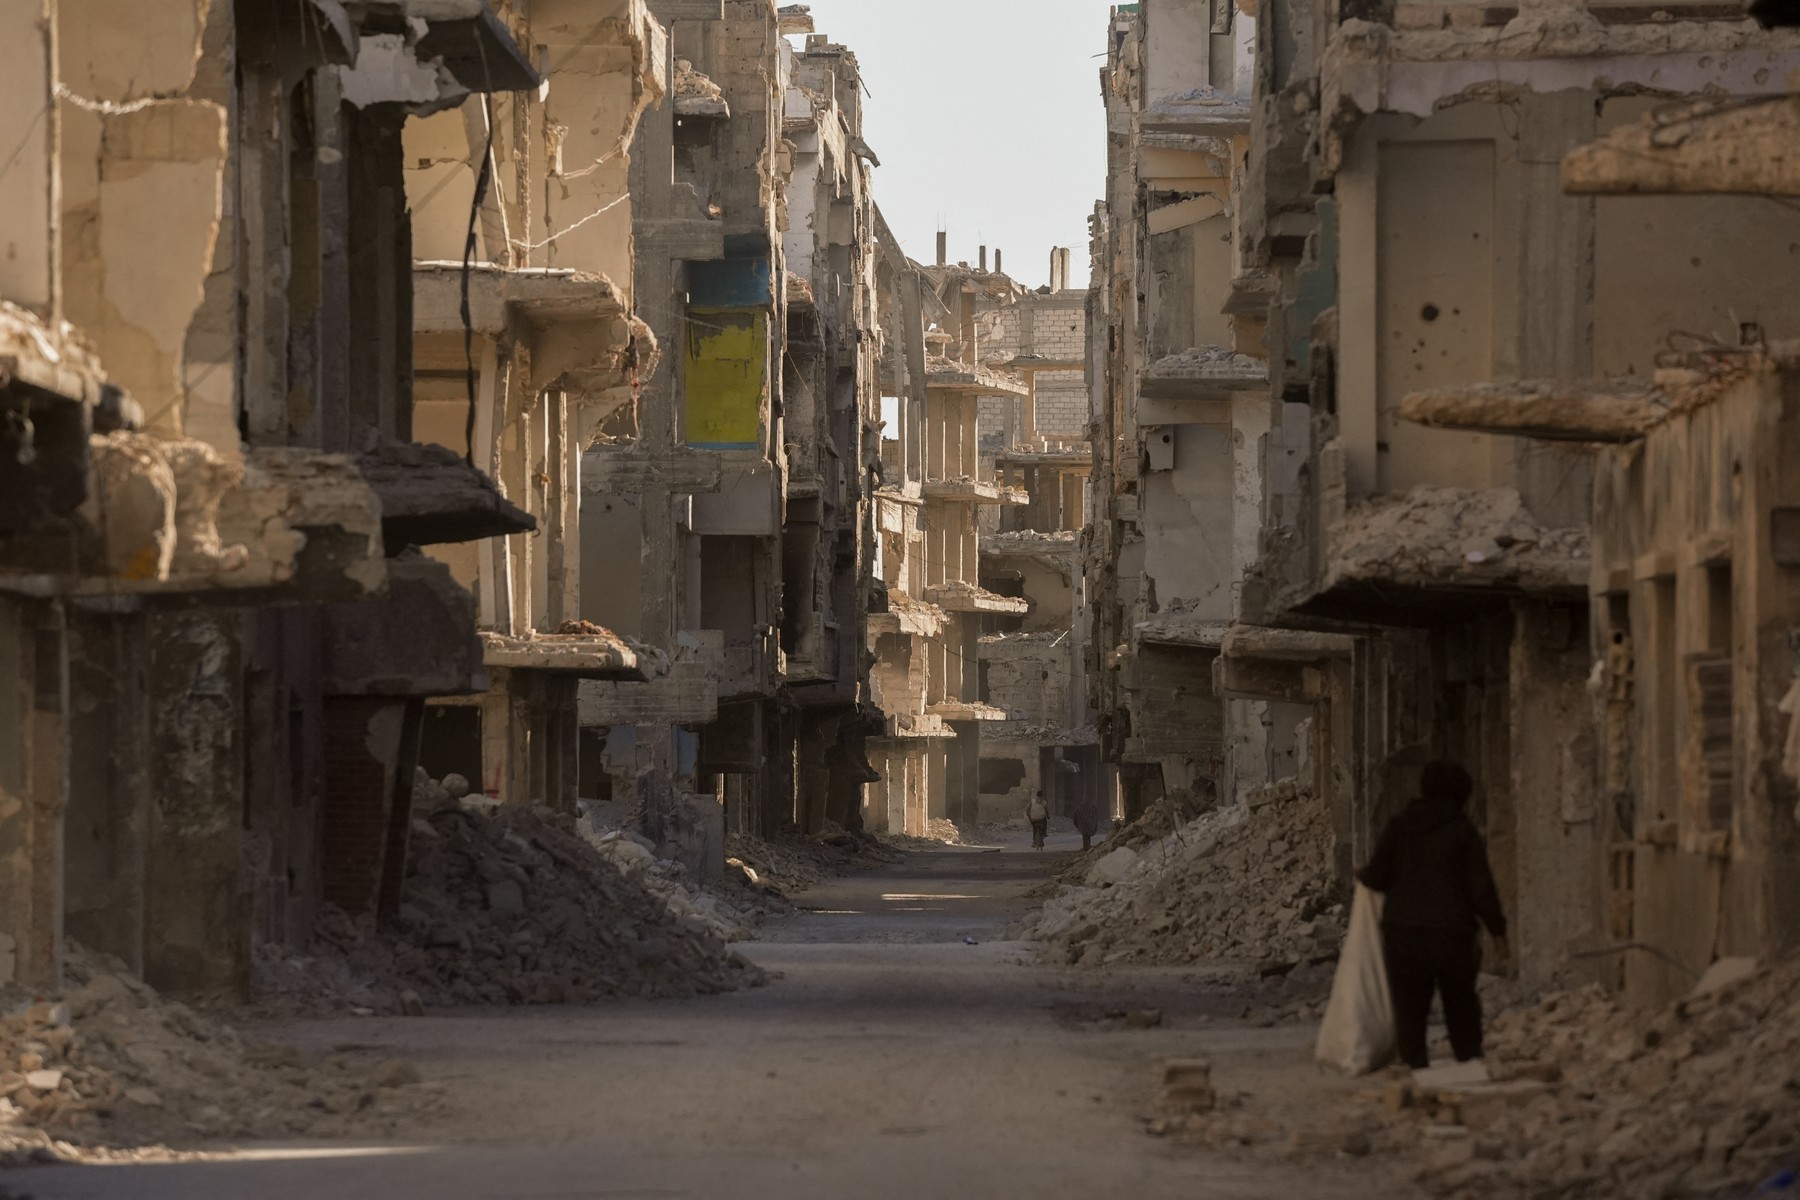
1181 407
983 457
525 345
481 387
218 633
1482 483
725 517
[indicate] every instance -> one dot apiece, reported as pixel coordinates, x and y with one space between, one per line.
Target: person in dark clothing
1087 821
1432 866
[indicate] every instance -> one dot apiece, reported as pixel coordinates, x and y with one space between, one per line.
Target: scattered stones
731 910
116 1070
1590 1099
1253 884
508 905
794 862
1187 1086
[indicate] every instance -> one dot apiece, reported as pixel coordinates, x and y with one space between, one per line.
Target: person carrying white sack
1431 867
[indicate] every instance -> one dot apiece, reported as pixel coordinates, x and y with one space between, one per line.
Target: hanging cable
483 178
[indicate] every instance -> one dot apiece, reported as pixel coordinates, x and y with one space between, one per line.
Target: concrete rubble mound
108 1068
508 904
1252 883
1591 1099
939 832
794 862
1436 535
731 911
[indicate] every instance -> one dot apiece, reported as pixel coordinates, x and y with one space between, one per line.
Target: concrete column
33 782
372 746
196 913
104 828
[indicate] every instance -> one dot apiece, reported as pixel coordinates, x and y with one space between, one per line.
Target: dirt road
892 1059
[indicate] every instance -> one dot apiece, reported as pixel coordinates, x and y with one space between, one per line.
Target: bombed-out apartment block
977 518
217 634
1512 510
525 347
724 511
1181 407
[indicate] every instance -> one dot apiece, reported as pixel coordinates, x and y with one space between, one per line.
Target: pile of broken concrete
506 904
1588 1098
731 909
793 861
108 1068
1252 883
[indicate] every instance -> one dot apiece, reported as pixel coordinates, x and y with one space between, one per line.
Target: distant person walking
1038 813
1087 821
1432 866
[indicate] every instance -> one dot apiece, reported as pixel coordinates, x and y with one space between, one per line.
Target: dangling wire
483 178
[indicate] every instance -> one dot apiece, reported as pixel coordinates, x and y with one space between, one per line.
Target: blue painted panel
731 283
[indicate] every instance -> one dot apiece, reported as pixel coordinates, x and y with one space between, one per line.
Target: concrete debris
794 862
1439 536
731 911
696 95
939 833
510 905
1551 409
1589 1098
1251 883
1210 362
110 1068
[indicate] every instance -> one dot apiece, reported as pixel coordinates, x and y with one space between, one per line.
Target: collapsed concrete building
1180 399
525 344
218 633
725 510
481 387
983 458
1547 580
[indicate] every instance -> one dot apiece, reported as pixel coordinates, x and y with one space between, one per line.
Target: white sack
1358 1032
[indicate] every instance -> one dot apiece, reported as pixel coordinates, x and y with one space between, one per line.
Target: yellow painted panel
727 357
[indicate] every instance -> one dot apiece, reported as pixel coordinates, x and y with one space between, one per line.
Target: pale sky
987 117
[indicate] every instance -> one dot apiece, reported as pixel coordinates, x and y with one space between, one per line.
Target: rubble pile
939 832
1251 882
1589 1099
731 911
508 905
1444 534
110 1063
793 862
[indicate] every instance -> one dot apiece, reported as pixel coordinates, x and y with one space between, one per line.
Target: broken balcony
430 496
592 653
972 491
971 378
1029 544
1418 557
1563 410
1198 386
960 597
965 710
1204 112
584 334
1734 146
907 617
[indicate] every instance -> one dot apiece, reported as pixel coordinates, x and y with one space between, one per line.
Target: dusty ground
891 1059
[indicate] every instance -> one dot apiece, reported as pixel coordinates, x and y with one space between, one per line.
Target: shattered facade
1440 385
978 509
207 552
725 516
486 388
